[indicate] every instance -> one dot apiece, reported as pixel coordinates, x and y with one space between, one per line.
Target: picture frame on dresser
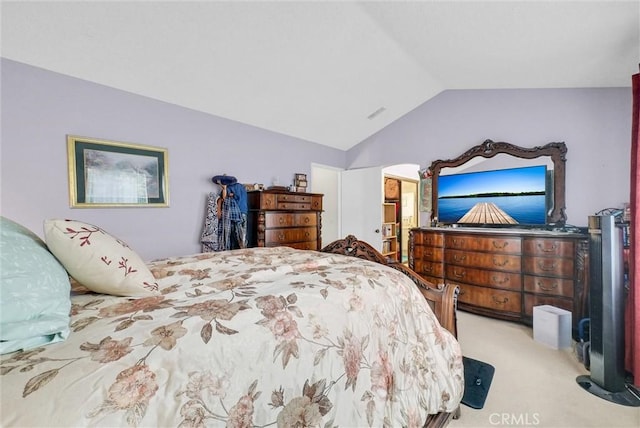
107 174
425 190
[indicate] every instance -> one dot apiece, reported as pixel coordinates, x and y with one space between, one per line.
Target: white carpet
534 385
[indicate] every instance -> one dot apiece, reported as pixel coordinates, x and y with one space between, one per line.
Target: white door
326 180
361 205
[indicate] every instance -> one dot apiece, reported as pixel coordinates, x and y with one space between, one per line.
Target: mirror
553 154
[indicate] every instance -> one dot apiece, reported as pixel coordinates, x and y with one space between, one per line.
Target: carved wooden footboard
442 299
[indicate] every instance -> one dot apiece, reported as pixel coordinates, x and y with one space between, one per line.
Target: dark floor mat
477 380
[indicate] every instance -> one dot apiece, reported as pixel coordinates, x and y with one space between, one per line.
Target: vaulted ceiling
332 73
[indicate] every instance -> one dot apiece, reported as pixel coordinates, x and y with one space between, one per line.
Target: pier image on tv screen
514 196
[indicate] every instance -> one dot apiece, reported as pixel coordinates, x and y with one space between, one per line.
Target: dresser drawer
309 245
428 239
289 201
498 300
274 237
504 262
531 300
437 282
316 203
549 247
548 285
434 269
549 266
262 201
284 201
428 253
278 219
494 244
301 206
289 197
506 280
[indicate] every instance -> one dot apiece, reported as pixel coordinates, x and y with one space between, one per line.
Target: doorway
402 179
408 215
328 181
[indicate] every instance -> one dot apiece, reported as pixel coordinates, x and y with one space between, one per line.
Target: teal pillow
35 291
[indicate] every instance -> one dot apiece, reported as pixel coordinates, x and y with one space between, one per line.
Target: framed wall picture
106 173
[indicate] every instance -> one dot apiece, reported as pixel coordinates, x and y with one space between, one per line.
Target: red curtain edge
632 312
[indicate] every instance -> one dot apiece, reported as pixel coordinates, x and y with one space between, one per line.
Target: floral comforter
253 337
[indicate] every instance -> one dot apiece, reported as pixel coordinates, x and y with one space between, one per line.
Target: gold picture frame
105 173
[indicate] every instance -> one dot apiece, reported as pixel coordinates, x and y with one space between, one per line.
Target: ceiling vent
376 113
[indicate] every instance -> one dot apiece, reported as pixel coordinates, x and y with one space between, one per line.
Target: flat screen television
503 197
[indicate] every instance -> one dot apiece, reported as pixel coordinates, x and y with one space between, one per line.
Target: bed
251 337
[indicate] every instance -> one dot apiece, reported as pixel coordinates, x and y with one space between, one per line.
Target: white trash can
552 326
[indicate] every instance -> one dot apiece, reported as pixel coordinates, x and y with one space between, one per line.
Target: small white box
552 326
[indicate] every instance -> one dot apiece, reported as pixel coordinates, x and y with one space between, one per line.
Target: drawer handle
542 287
550 249
281 236
428 269
281 220
500 245
307 234
499 281
307 219
500 302
457 242
546 268
458 258
458 274
496 262
430 254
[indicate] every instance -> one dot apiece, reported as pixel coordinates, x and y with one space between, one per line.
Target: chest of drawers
504 274
284 218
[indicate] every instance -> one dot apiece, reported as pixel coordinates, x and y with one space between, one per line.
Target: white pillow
98 260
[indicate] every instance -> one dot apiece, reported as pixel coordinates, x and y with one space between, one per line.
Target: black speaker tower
606 312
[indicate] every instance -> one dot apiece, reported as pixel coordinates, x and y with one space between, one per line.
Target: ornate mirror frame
488 149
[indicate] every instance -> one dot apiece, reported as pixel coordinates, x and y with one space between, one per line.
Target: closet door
361 204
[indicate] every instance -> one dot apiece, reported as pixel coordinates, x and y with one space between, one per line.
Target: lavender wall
595 124
39 108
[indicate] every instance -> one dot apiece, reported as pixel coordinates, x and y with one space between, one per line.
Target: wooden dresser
284 218
504 273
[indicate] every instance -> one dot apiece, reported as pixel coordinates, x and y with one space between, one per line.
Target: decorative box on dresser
504 273
285 218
